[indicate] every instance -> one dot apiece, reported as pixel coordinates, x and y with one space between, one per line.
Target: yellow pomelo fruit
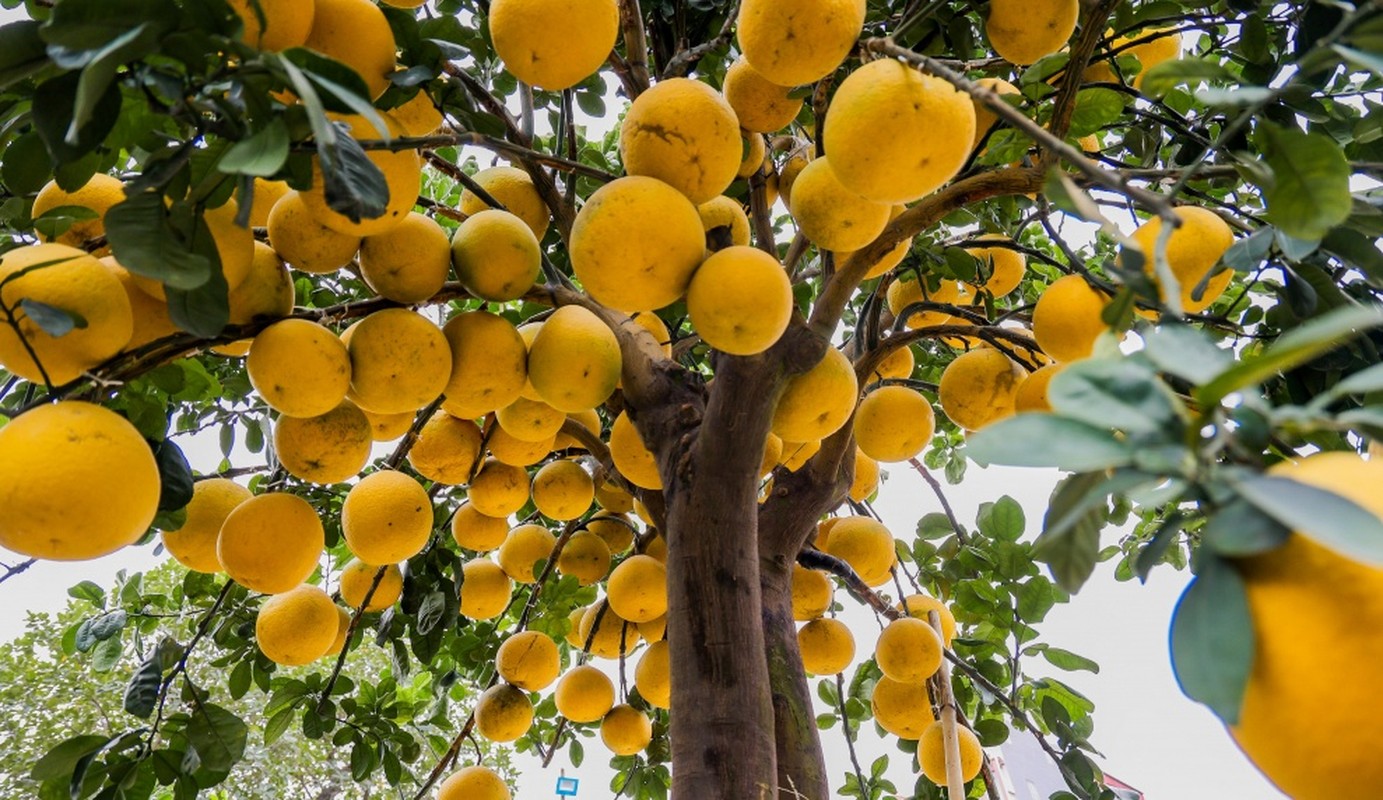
866 478
386 518
1149 54
811 593
514 451
1022 33
531 420
831 215
553 44
870 135
573 636
656 328
77 481
488 364
590 418
286 23
823 532
797 160
889 260
409 263
613 528
637 589
499 489
655 630
300 239
296 627
98 194
979 387
528 332
756 157
523 548
931 753
388 427
909 650
149 314
528 660
446 450
400 361
827 646
402 176
625 730
817 403
585 557
656 547
357 577
234 246
574 361
584 694
1067 318
473 530
902 294
613 498
797 454
683 133
1314 613
266 293
496 256
897 364
773 454
343 629
865 544
760 105
418 116
985 119
484 589
266 195
725 222
612 637
513 189
635 244
68 279
653 675
356 33
563 490
473 783
792 43
1001 267
740 300
1193 250
921 606
902 709
894 423
632 458
271 542
194 543
504 713
300 368
1032 392
328 448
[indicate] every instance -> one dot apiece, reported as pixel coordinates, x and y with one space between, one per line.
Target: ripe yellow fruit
590 418
931 753
1022 32
797 160
446 450
234 246
266 293
408 263
150 315
635 244
266 194
529 660
790 43
499 489
529 332
386 518
402 175
831 215
760 105
473 530
1313 610
865 544
827 646
343 629
921 606
473 783
585 557
902 709
655 630
632 458
725 222
286 23
574 361
98 194
756 158
985 118
68 279
817 403
296 627
796 454
637 589
400 361
1067 318
909 650
625 730
194 543
811 593
1032 392
496 255
871 139
504 713
613 637
563 490
531 421
485 589
614 499
514 451
979 387
902 294
300 239
328 448
773 454
1149 54
388 427
300 368
512 188
356 33
488 364
1001 267
894 423
357 577
584 694
418 116
889 260
656 547
271 542
553 44
740 300
653 675
1193 250
523 548
897 364
77 481
823 532
614 528
683 133
866 478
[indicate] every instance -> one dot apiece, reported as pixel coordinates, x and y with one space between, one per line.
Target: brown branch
927 476
411 437
1091 32
681 64
635 45
346 646
11 571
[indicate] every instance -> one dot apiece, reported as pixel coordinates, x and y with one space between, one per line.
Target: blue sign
566 787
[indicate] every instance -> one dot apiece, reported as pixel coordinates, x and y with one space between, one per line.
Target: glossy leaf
1212 639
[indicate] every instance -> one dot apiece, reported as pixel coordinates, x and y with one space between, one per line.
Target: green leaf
54 102
261 155
218 735
1158 80
991 732
1095 108
141 694
1046 440
1116 393
56 221
92 24
1309 193
107 654
1241 529
1372 62
278 724
54 321
1331 519
99 72
203 310
1356 249
175 476
344 91
26 166
90 592
1247 254
60 761
1002 519
1213 640
1071 662
1185 351
145 242
1071 552
22 52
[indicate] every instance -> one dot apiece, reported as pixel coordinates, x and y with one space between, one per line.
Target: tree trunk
801 766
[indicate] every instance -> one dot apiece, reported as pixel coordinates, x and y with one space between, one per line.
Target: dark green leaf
431 610
1240 529
1309 194
278 724
342 89
1247 254
1065 659
1331 519
145 242
175 476
52 320
1072 551
56 221
141 694
1157 80
21 52
92 24
26 166
1155 550
1095 108
59 762
90 592
1046 440
1115 393
1185 351
218 735
99 72
106 654
261 155
54 102
1212 639
1358 250
1002 519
